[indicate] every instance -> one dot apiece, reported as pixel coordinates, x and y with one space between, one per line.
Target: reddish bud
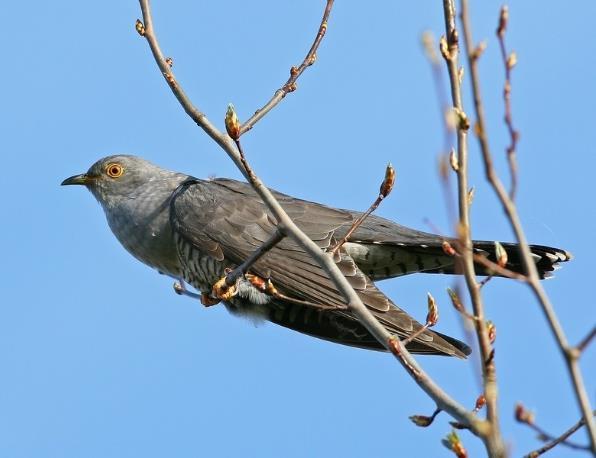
447 248
480 403
232 123
432 317
503 20
455 300
388 182
523 415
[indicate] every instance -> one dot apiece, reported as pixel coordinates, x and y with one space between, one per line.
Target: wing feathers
225 219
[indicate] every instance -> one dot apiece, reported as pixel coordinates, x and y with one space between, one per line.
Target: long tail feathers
388 259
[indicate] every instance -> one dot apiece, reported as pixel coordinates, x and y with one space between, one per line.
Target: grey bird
193 229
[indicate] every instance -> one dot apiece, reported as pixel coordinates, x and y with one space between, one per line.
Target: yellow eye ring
114 170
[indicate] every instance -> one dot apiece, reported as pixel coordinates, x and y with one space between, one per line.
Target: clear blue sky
100 358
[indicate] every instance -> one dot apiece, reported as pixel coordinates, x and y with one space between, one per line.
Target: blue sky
99 356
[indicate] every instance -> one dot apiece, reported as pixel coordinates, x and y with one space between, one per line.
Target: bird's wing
228 221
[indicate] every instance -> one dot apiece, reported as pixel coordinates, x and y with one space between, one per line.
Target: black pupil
114 170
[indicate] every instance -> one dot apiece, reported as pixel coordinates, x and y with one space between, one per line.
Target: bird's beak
82 179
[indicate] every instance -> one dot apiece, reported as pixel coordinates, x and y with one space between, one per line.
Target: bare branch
432 318
497 269
562 439
295 72
529 266
509 62
285 224
428 42
239 271
450 50
447 156
586 340
384 191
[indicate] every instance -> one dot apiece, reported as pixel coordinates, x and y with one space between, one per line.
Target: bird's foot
207 300
222 291
180 289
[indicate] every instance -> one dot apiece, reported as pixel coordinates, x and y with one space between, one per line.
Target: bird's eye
114 170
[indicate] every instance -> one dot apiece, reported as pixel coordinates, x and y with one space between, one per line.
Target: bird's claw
181 290
208 301
178 288
222 291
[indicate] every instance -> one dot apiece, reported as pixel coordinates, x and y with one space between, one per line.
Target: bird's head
120 176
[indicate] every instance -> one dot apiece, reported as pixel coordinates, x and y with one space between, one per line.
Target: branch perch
287 226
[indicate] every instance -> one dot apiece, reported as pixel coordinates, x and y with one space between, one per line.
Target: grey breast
141 223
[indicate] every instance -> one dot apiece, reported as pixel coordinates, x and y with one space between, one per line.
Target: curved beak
82 179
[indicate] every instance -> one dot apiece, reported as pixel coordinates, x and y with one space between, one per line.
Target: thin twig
432 318
447 155
509 62
356 224
234 275
544 437
252 178
497 269
586 340
561 440
428 41
528 264
450 49
384 191
285 223
295 72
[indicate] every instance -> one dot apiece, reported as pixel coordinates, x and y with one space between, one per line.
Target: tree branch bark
295 72
450 50
533 280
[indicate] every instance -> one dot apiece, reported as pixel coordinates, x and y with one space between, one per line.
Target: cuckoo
195 230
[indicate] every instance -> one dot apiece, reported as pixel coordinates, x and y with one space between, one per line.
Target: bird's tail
392 259
546 258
